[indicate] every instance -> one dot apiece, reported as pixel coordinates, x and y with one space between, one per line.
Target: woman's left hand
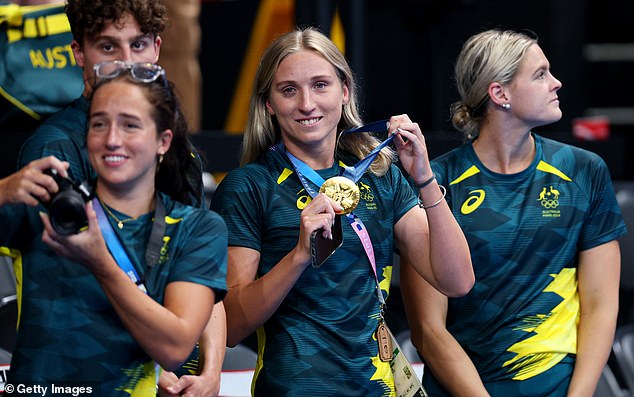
86 247
411 147
188 385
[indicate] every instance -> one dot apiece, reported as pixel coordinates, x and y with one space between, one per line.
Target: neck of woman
134 205
317 158
505 153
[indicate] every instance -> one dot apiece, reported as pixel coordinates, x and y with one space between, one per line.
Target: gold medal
342 190
384 340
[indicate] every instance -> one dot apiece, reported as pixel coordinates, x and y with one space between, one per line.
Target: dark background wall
403 52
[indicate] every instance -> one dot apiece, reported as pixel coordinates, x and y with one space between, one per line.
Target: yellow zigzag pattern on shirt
554 332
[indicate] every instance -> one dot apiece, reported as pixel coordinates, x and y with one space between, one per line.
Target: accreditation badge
343 191
383 338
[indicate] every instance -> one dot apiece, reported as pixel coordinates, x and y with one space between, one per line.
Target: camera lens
67 213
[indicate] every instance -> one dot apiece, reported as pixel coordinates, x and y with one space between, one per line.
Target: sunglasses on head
143 72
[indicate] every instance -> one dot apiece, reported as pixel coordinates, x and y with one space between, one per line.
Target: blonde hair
262 130
487 57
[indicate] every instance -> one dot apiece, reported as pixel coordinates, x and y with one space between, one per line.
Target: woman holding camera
120 291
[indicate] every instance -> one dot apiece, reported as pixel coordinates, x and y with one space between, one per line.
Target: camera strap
152 251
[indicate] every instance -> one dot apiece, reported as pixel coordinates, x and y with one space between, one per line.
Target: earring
160 158
506 106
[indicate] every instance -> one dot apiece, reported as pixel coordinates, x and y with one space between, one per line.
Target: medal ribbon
305 174
356 172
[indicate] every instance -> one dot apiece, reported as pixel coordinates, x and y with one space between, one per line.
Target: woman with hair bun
542 223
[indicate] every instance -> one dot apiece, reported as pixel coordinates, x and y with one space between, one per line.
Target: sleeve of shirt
239 199
62 136
202 256
404 196
604 221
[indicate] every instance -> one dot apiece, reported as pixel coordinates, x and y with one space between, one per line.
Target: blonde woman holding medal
317 325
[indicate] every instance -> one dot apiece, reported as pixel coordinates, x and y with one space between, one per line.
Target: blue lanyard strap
306 174
118 252
116 248
303 171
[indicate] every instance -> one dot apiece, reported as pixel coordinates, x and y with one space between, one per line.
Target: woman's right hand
87 247
411 147
318 214
30 185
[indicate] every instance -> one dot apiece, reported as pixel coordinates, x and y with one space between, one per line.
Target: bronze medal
342 190
383 338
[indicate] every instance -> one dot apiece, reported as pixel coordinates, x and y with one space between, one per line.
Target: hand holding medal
343 191
411 147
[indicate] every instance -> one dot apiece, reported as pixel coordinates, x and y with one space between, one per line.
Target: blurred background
403 51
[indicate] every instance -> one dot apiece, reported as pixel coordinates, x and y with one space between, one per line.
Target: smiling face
123 144
307 97
533 92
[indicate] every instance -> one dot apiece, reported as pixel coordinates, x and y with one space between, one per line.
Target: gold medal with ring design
343 191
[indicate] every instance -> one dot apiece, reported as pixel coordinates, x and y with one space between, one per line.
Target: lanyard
116 249
305 174
356 172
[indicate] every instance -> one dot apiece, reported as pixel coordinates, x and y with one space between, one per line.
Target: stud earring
506 106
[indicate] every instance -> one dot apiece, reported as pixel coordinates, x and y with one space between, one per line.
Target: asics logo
473 201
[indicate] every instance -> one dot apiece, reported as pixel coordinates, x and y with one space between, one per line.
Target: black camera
66 208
